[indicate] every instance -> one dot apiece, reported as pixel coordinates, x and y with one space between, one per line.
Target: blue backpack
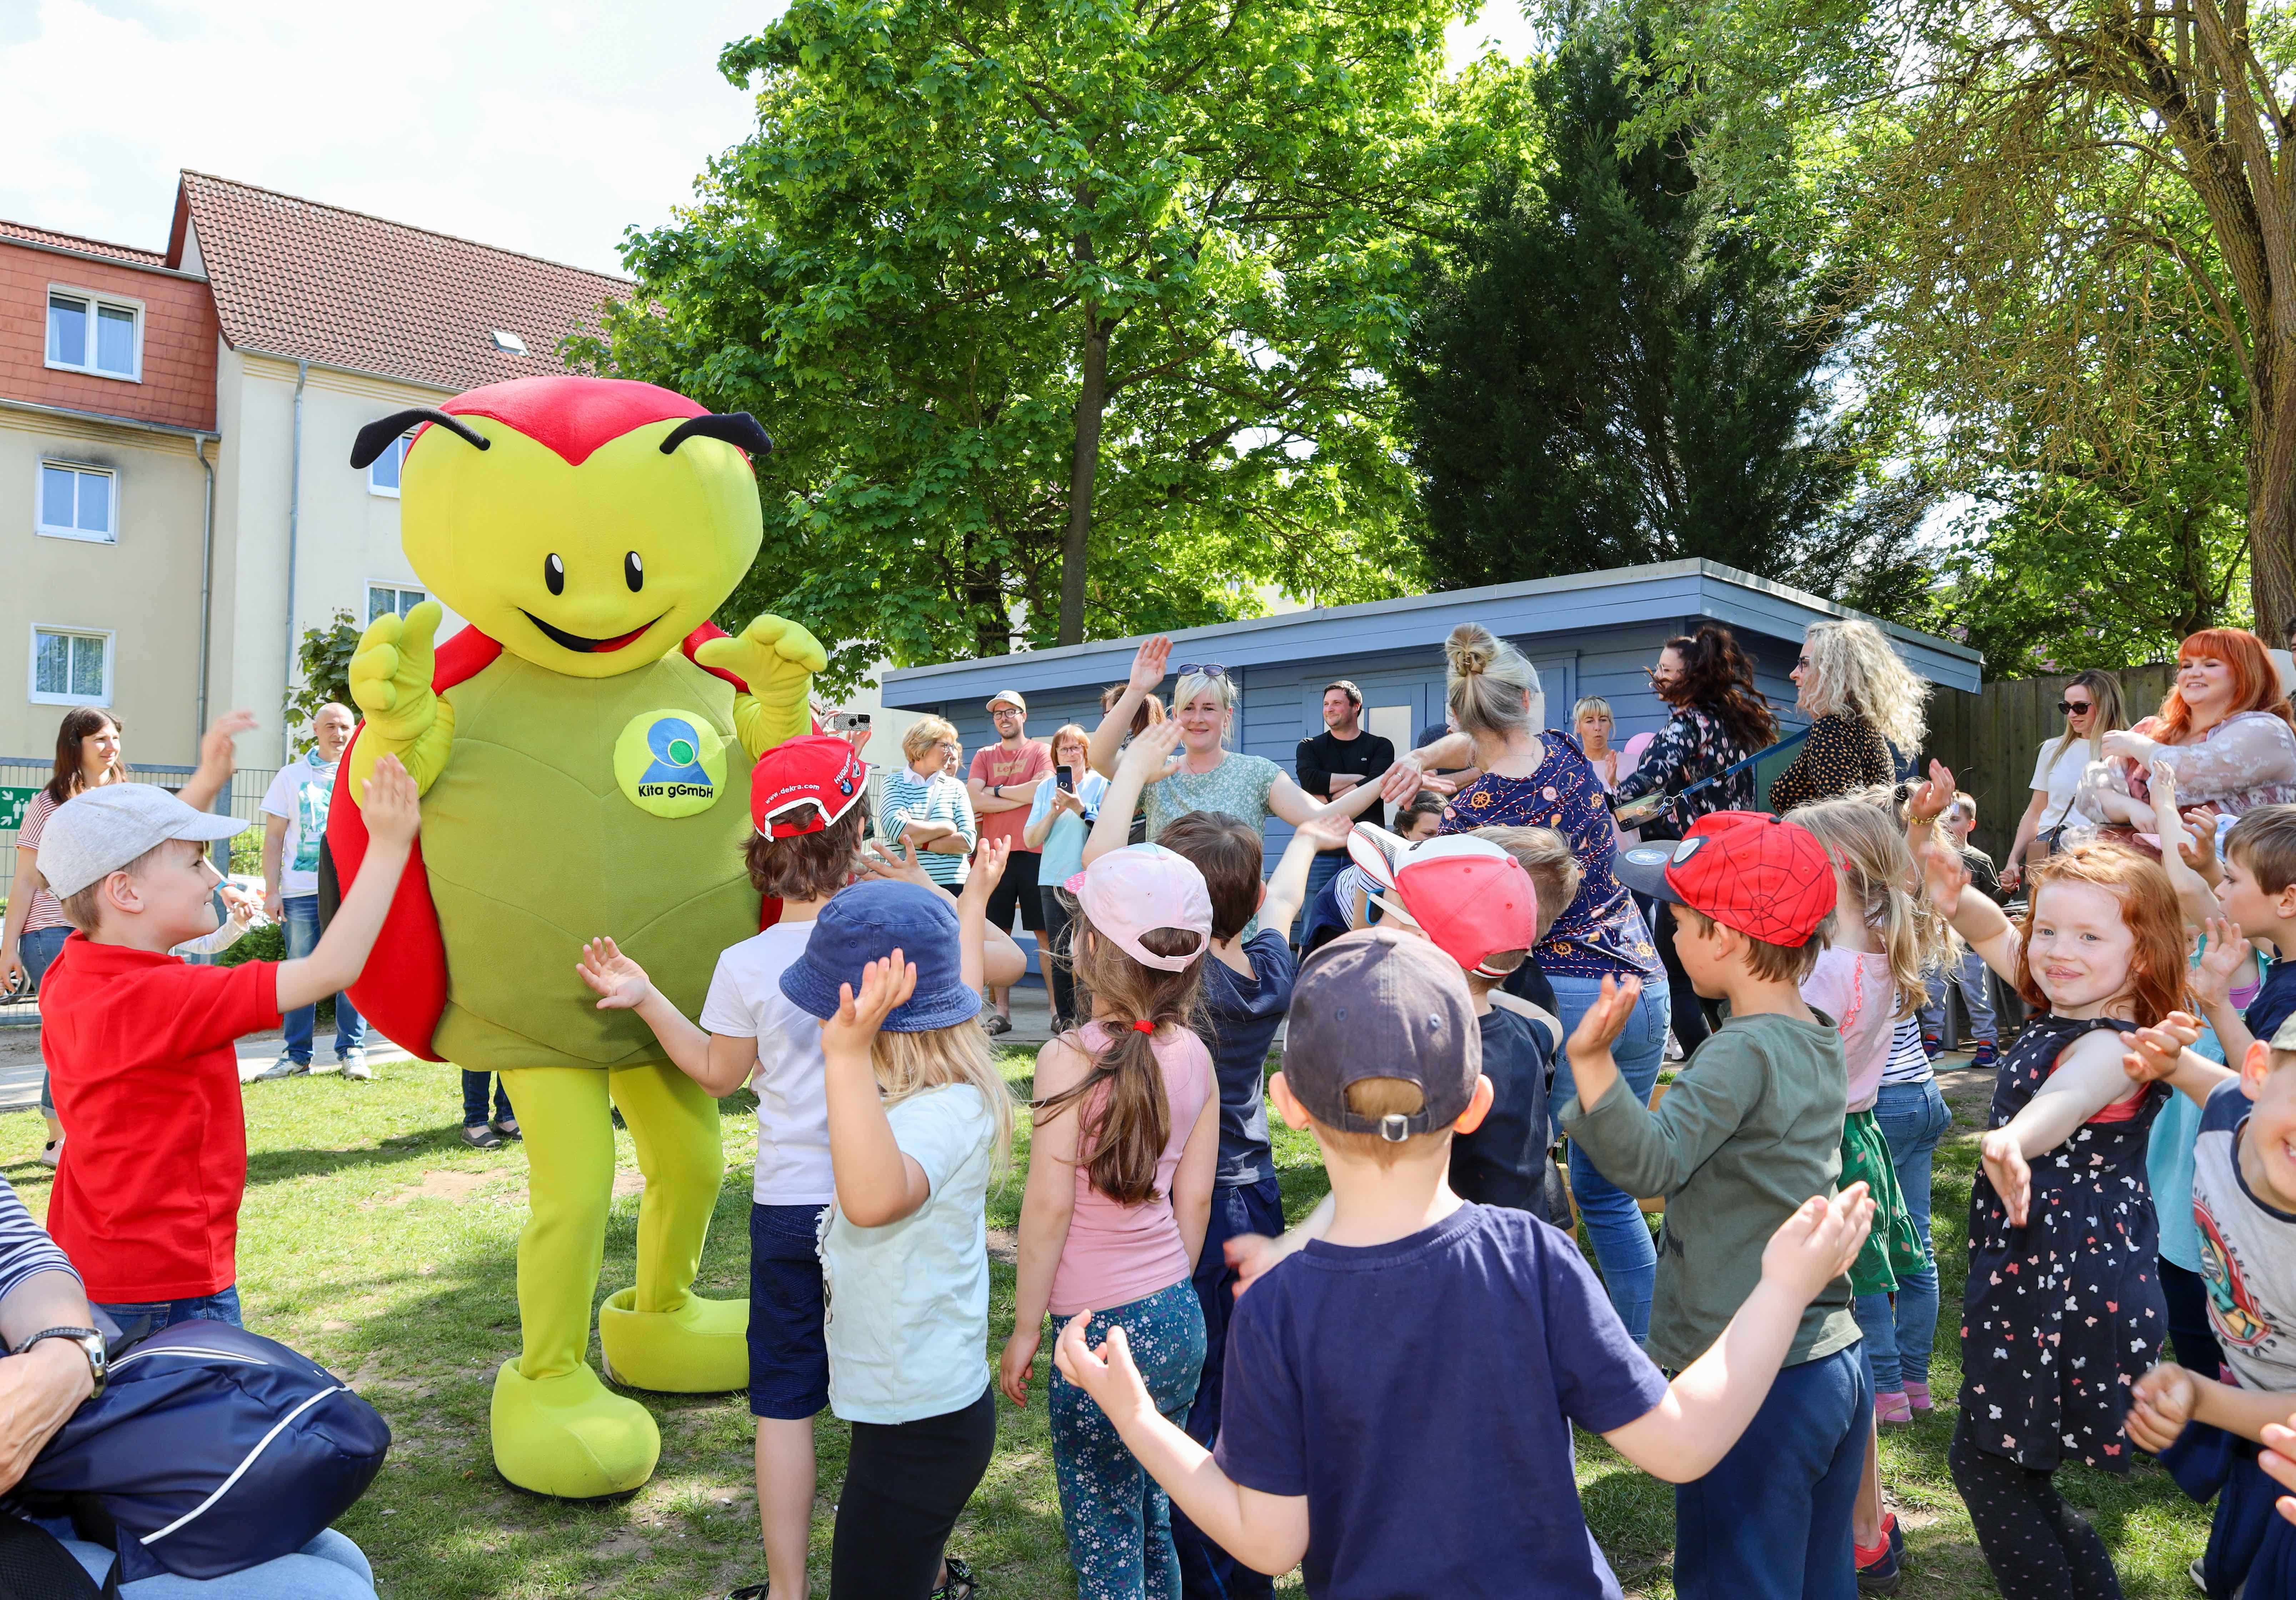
211 1450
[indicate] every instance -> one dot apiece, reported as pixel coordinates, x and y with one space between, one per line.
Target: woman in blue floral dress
1534 779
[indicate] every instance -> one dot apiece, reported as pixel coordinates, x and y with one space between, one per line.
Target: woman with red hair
2224 727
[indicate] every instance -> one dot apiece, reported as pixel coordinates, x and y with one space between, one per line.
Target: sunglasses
2075 707
1200 669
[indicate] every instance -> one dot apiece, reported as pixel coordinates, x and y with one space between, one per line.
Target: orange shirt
992 764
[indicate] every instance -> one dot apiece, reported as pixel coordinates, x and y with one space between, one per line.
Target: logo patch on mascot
670 763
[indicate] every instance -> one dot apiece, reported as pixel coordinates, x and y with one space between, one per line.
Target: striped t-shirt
47 911
1909 1062
25 1247
940 797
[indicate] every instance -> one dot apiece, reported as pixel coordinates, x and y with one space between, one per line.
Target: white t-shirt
746 1001
2059 780
909 1302
300 793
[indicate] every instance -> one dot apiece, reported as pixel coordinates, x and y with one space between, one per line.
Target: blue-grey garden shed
1592 633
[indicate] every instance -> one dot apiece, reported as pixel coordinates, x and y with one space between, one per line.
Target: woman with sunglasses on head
2091 708
1203 774
2225 729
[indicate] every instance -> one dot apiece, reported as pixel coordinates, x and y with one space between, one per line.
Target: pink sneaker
1892 1408
1917 1395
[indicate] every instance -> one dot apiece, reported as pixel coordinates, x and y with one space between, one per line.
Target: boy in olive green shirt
1750 1131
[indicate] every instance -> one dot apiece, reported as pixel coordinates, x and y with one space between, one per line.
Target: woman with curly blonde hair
1866 709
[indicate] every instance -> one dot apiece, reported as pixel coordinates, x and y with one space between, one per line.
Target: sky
547 129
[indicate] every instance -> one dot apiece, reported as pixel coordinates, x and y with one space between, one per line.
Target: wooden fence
1990 739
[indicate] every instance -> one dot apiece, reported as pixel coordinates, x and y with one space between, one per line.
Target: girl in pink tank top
1125 1140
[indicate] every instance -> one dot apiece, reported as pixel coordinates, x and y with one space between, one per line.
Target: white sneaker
354 1065
1673 1045
286 1066
52 1151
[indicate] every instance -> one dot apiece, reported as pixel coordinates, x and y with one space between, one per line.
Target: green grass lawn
377 1242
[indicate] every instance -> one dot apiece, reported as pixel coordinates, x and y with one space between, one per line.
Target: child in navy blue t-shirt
1401 1392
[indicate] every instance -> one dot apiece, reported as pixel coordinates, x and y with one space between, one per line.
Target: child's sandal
959 1584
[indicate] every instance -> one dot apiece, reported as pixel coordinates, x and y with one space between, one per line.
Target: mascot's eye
553 574
633 571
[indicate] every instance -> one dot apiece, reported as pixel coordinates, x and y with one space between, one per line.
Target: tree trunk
1092 404
2271 493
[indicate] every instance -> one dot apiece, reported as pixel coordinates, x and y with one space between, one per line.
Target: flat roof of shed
1582 601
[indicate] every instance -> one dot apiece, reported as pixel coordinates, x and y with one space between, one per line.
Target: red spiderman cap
1768 878
802 786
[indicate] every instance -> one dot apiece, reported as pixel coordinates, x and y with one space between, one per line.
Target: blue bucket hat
867 923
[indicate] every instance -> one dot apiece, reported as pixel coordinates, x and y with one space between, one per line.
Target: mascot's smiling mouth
576 642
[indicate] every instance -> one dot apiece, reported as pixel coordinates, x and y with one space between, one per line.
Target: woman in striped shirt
925 804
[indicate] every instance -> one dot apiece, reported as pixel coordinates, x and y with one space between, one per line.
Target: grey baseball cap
1379 1003
100 831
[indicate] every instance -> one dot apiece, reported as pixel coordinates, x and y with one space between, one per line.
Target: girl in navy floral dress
2063 1311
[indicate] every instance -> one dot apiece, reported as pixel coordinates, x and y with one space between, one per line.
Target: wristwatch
91 1345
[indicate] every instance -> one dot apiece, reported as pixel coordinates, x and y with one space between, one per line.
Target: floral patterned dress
2061 1316
1602 930
1692 745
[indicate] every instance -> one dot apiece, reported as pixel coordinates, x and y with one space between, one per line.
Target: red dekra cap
1767 877
802 786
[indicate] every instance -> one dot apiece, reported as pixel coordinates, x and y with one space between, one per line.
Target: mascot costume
583 748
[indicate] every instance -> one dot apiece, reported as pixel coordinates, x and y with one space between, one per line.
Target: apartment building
176 430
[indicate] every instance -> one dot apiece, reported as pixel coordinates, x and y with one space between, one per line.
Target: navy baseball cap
868 922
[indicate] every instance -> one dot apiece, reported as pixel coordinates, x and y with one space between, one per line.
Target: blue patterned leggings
1118 1522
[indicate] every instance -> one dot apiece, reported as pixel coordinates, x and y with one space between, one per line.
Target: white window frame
49 530
95 300
399 444
397 588
37 696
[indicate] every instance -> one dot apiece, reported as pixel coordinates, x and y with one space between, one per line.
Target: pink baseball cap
1129 892
1470 897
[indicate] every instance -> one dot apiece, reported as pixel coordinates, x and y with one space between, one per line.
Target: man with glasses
1002 786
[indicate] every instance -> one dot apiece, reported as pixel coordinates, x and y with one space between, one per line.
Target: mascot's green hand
391 682
777 659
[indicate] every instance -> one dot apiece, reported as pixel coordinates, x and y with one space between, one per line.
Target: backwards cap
803 785
1466 894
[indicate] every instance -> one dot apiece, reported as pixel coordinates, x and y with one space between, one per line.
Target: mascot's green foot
569 1436
702 1347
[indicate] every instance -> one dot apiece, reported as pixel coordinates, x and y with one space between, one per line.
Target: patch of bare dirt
627 1183
453 1185
1005 1245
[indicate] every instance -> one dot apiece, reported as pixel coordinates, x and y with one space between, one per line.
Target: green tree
1993 151
324 654
1610 368
1058 310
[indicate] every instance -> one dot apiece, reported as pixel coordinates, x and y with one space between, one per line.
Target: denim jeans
1118 1519
299 921
1614 1222
1052 958
38 947
1771 1520
1976 981
1898 1337
474 1097
1326 866
222 1306
1208 1572
328 1568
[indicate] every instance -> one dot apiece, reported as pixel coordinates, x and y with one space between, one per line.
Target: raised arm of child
2194 896
2229 955
1709 1405
1154 754
876 1183
990 955
2088 1078
2164 1054
1974 917
1046 1204
1287 886
1267 1532
719 1063
393 813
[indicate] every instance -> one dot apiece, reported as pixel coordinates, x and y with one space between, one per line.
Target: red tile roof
86 247
316 283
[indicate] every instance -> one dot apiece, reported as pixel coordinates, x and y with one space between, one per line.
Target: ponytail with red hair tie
1143 1026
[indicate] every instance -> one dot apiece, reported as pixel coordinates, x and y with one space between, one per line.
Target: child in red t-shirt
139 1043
